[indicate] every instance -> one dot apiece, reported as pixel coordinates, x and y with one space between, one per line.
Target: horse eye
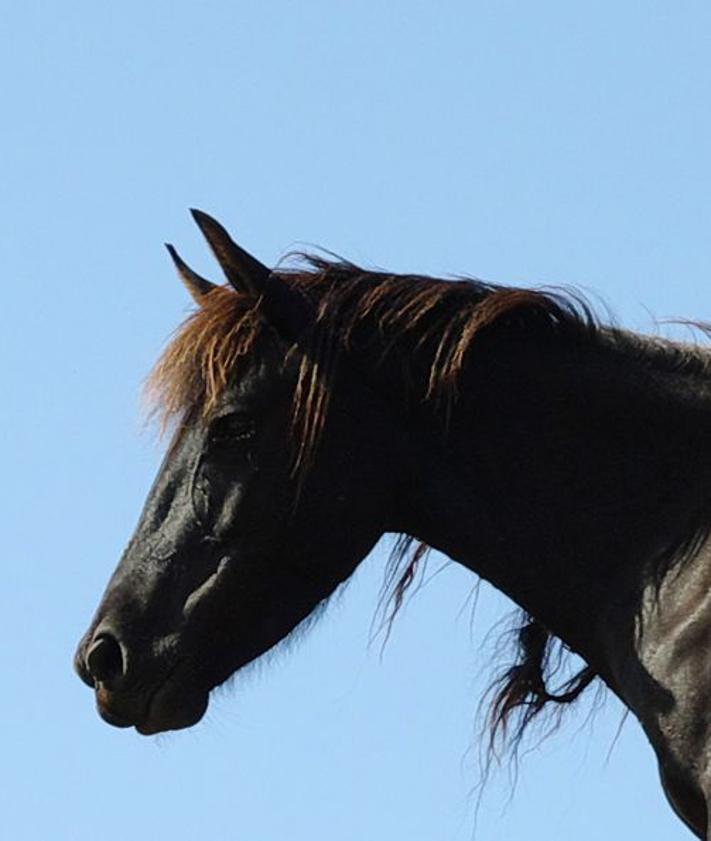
236 427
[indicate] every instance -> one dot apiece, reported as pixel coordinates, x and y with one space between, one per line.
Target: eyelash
231 428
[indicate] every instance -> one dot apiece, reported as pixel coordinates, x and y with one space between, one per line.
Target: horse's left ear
286 308
244 272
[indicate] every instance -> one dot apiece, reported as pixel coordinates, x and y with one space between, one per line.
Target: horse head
241 536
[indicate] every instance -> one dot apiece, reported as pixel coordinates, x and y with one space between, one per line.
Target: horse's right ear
196 285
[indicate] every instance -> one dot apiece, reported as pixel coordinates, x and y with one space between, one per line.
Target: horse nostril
104 659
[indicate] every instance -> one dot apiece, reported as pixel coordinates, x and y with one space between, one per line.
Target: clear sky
547 142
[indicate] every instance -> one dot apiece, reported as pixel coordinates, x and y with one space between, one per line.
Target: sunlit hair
203 355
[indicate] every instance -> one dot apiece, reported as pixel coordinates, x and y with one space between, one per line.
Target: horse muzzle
158 697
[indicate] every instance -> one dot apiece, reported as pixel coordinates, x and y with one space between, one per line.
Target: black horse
567 463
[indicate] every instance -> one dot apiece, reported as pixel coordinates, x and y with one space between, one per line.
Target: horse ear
244 272
286 308
196 285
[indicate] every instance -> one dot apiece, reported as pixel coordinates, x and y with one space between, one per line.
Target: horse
317 407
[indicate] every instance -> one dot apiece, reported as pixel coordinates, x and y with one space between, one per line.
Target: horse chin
164 718
170 707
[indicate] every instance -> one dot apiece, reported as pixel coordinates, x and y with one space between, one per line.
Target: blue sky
532 143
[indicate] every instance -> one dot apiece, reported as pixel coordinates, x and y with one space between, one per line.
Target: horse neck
566 470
